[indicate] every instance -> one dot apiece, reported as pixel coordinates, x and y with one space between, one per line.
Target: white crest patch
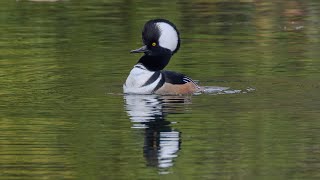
169 36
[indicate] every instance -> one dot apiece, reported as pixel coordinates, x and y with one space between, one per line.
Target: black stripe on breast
153 78
140 66
160 84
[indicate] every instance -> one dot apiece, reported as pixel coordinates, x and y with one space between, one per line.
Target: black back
176 78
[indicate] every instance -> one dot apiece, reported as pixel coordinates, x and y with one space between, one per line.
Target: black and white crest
163 33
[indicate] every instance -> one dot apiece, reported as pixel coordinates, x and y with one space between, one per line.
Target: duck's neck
155 63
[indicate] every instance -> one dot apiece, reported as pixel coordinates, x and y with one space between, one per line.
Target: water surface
63 114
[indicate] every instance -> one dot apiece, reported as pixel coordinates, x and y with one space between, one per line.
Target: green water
63 114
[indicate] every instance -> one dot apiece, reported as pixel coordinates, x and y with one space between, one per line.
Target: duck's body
143 81
161 40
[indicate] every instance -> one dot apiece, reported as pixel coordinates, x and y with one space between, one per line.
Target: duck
161 40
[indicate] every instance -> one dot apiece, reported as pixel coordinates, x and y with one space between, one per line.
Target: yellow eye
154 44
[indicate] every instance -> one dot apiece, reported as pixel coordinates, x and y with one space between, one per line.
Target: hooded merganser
161 40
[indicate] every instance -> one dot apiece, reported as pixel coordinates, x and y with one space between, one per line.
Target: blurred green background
63 114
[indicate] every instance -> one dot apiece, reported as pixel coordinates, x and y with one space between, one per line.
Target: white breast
138 76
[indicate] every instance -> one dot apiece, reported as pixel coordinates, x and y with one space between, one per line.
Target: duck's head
161 40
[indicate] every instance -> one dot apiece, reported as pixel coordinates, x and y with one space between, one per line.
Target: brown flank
175 89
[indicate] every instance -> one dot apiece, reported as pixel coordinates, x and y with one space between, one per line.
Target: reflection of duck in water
161 143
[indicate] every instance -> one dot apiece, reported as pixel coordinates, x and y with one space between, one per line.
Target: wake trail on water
215 90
